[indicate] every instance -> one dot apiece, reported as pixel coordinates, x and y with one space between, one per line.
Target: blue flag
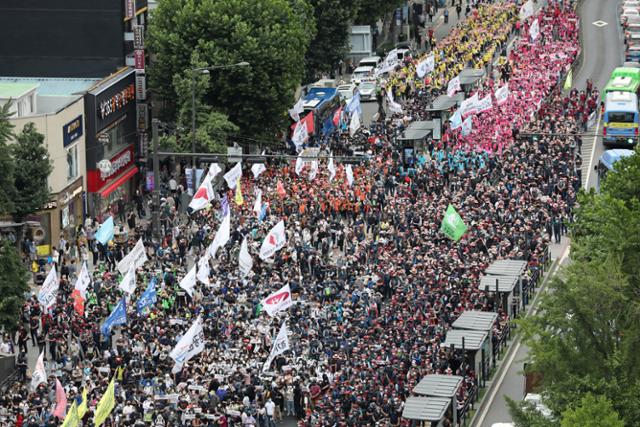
106 231
149 297
117 317
354 104
224 206
263 211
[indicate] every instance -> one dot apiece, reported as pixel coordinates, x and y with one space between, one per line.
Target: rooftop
51 86
15 89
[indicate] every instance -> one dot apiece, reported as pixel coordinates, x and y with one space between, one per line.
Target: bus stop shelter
441 110
414 138
447 386
510 267
507 291
426 411
469 77
476 320
477 347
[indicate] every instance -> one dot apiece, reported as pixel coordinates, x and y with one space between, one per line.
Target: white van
362 73
371 61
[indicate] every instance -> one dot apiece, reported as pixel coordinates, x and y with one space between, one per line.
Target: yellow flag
569 81
82 408
239 199
106 404
72 419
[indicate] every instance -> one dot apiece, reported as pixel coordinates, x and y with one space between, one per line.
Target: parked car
346 91
631 21
632 53
631 29
362 73
367 89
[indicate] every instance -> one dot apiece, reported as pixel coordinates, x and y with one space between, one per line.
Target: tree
32 169
272 35
13 285
373 10
624 183
594 411
6 162
586 338
333 21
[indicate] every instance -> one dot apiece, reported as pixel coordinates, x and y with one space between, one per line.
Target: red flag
281 190
78 302
336 116
61 401
308 119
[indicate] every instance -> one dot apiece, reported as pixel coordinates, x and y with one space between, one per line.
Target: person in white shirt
270 408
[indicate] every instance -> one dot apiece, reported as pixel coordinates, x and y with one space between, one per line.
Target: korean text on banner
49 291
280 345
233 175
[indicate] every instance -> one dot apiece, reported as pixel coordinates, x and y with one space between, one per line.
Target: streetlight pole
194 71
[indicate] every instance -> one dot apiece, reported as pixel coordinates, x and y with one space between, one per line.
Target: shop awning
119 181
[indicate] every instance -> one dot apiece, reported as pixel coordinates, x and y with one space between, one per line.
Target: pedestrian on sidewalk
458 10
446 16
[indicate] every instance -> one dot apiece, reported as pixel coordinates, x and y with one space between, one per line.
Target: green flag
569 81
452 225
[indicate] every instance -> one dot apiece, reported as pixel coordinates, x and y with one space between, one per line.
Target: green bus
623 79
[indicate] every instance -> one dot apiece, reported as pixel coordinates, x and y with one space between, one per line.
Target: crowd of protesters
376 285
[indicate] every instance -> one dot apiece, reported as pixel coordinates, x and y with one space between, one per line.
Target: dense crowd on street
375 283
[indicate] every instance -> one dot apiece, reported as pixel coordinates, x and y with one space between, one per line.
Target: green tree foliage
212 127
587 337
32 168
13 285
525 414
624 184
6 163
333 20
370 11
592 412
272 35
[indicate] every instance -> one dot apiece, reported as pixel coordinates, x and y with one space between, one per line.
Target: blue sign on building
72 131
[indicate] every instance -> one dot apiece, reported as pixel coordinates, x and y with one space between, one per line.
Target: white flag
274 241
203 196
426 66
257 169
257 205
469 105
278 301
233 175
298 108
188 282
394 107
502 94
349 173
534 31
222 236
280 345
203 269
300 134
299 164
83 281
485 104
190 344
128 284
453 86
354 125
314 170
137 257
214 170
526 10
245 262
49 291
39 374
332 169
467 126
390 62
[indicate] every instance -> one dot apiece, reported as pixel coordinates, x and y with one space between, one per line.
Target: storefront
111 142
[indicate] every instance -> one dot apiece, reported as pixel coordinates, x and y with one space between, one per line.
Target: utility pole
155 215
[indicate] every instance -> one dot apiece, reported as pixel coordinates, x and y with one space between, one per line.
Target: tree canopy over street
585 341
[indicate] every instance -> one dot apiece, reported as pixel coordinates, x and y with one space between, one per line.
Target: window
623 117
72 163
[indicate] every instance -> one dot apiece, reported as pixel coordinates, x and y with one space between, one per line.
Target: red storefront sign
122 161
139 59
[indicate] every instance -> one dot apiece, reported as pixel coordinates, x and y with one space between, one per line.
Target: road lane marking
593 152
600 24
